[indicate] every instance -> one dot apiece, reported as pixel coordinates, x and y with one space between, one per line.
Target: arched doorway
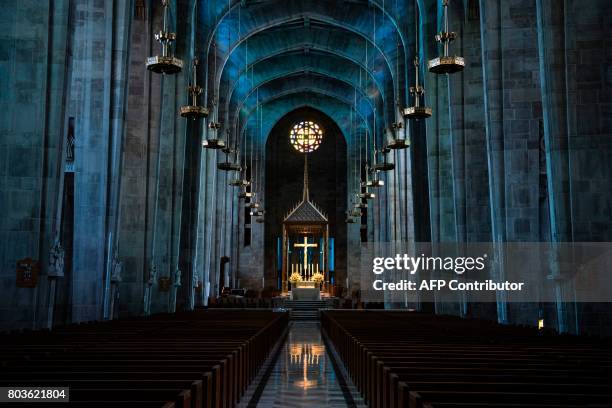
284 182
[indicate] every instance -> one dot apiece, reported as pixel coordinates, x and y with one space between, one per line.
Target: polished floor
302 374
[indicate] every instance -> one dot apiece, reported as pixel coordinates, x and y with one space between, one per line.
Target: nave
226 358
404 203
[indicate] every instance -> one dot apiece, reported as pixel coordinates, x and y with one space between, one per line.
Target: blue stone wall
517 149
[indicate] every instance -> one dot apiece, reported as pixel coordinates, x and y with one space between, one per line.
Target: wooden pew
198 359
403 359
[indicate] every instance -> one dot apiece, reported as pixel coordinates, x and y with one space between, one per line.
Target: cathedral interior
183 172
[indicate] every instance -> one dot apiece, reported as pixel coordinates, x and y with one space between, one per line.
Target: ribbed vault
272 52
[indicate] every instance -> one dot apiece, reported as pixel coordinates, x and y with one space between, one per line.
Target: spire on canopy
306 211
305 194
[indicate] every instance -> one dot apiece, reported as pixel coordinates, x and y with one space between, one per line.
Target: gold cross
305 245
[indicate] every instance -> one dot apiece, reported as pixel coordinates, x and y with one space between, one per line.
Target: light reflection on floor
303 376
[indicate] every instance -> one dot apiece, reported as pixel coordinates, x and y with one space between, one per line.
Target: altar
306 284
305 293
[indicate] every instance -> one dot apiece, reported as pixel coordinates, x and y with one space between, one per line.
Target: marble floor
302 374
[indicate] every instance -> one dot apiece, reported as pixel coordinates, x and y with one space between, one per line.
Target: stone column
101 31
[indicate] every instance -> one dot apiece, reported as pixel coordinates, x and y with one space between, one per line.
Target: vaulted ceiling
347 58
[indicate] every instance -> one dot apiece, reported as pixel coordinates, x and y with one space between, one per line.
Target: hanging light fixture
258 213
246 191
374 180
349 218
253 204
366 183
227 165
362 193
353 211
376 166
192 109
416 111
446 64
214 142
166 63
365 194
359 203
398 142
256 209
239 182
244 194
384 166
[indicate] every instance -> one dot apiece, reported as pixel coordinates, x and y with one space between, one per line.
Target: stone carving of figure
56 259
178 277
152 275
117 269
149 289
70 142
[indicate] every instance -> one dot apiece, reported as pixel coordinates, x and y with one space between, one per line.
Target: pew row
409 359
184 360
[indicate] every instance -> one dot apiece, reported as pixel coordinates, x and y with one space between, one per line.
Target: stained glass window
306 136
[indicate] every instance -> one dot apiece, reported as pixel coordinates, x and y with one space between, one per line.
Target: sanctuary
305 268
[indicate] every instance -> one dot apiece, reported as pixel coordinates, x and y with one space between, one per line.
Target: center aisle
303 375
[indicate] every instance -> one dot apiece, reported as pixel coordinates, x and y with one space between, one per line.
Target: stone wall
33 53
517 150
509 160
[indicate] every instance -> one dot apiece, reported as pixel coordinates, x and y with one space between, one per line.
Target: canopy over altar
305 243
